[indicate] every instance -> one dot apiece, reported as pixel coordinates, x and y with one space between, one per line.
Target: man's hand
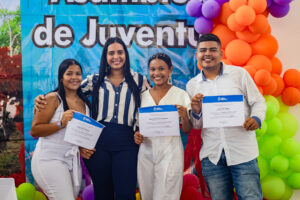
250 124
196 103
138 138
86 153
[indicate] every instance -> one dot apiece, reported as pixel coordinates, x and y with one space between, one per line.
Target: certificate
159 121
83 131
223 111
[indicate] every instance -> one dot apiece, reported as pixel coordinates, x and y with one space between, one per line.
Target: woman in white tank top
55 163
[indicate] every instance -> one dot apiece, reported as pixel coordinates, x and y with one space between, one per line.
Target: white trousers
54 178
160 169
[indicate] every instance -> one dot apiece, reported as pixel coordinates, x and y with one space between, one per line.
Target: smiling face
116 56
72 78
159 72
209 55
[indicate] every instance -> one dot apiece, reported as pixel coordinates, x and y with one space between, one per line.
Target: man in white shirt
228 154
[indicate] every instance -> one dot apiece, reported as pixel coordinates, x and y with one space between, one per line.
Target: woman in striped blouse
115 95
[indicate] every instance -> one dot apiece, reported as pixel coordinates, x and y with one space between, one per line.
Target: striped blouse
116 104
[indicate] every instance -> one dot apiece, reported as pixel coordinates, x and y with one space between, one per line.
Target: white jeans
54 178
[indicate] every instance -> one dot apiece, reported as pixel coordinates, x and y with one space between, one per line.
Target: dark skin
209 55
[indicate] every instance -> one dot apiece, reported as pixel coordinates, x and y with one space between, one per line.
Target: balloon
283 108
276 65
247 35
282 2
88 193
273 187
269 98
291 78
39 196
263 167
224 33
262 77
279 10
295 163
262 130
190 193
250 70
269 3
210 9
258 5
294 180
266 45
279 163
274 126
245 15
138 196
289 124
235 4
269 145
235 55
225 12
26 191
221 2
233 25
271 111
270 88
190 180
279 83
260 62
193 8
290 96
260 24
289 147
287 194
203 25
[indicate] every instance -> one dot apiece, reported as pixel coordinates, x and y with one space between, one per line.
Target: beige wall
287 32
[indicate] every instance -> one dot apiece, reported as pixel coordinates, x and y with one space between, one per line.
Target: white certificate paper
159 121
223 111
83 131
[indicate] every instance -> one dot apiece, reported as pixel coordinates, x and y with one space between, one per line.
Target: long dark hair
64 65
104 70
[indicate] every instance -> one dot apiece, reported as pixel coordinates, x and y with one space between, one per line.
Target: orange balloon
291 78
290 96
276 65
233 25
260 24
199 66
235 4
260 89
225 12
268 31
245 15
262 77
280 85
224 33
238 52
258 5
247 35
250 70
266 45
270 88
260 62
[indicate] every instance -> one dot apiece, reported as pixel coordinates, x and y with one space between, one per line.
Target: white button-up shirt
239 145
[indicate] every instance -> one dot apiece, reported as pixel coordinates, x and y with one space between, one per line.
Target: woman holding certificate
55 165
160 159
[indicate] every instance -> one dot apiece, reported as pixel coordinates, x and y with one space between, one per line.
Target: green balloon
273 187
262 130
270 98
271 111
39 196
289 147
294 180
289 124
26 191
283 107
295 163
269 146
279 163
288 193
263 166
282 175
274 126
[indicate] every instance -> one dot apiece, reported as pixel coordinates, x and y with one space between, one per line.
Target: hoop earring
170 79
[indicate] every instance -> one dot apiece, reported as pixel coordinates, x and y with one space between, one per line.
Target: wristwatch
59 124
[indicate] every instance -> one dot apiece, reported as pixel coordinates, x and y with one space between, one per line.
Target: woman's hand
67 116
138 138
39 103
86 153
182 112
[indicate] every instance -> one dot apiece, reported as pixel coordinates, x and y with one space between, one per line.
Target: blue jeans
221 179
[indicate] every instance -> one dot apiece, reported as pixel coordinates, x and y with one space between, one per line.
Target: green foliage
11 20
